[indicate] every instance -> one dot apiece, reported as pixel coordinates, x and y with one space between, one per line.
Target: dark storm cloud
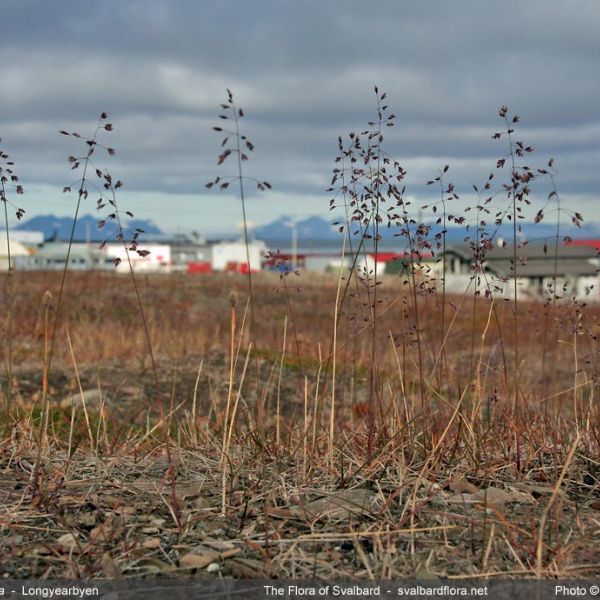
304 72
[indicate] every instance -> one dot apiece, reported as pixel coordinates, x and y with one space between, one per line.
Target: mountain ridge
318 228
86 229
311 228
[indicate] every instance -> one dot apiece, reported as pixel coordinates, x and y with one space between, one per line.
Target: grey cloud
304 72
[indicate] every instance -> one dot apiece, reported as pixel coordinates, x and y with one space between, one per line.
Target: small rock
131 390
198 561
157 522
437 502
68 542
340 505
88 519
109 566
425 574
460 485
150 530
500 497
202 504
91 398
464 499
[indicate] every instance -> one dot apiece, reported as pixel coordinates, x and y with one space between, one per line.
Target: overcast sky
304 72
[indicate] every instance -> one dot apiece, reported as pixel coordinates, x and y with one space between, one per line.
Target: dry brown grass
457 486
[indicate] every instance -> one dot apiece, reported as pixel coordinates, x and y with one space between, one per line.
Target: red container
199 267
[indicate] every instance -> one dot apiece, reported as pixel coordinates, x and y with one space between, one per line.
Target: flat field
307 434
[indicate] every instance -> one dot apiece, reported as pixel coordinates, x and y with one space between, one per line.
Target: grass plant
399 430
9 180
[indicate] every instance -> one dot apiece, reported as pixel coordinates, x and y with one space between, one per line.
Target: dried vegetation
282 426
446 492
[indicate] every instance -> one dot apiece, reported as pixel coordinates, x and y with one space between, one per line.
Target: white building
30 238
53 255
158 260
574 271
17 250
231 256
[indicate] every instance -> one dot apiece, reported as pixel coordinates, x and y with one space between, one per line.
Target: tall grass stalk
551 304
128 247
232 361
82 396
9 308
43 426
281 363
539 553
517 192
334 364
82 193
9 178
375 182
445 195
240 145
515 278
